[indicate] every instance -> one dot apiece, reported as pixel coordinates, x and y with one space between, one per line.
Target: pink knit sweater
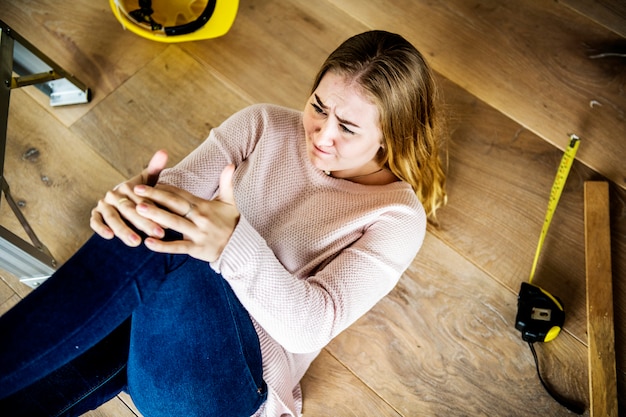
311 253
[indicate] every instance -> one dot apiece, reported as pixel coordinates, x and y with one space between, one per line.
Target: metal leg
31 262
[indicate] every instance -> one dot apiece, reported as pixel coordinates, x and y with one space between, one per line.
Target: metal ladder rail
31 262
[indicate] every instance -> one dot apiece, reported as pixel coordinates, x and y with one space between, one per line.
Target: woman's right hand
109 218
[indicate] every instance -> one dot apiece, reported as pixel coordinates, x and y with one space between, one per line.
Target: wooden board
173 88
275 48
8 297
95 49
129 403
54 175
114 407
600 318
609 13
499 184
443 343
444 339
350 396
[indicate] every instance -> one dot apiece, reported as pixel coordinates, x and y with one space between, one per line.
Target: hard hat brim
218 25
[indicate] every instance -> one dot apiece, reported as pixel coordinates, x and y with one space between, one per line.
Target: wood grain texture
174 103
499 183
529 59
609 13
12 283
351 397
600 317
114 407
96 49
54 175
129 403
444 343
63 25
8 297
275 48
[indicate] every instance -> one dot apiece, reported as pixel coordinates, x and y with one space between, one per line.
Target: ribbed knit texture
311 253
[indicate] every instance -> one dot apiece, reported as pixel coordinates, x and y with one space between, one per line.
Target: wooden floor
516 77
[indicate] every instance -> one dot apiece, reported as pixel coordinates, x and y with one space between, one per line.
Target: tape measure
540 316
555 194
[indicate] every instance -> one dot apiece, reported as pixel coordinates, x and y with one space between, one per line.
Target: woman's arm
198 174
303 315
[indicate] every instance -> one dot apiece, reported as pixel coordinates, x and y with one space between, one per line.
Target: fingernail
140 189
142 208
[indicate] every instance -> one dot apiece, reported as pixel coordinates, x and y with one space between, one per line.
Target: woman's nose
325 134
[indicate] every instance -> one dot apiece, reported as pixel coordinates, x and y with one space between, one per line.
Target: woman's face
342 128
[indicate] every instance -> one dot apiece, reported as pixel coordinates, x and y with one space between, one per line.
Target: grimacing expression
342 127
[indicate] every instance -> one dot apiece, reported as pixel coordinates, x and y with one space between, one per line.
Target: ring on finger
191 207
121 200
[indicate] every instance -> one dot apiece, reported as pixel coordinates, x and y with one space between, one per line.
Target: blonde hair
395 75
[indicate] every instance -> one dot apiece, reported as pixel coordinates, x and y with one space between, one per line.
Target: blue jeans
165 328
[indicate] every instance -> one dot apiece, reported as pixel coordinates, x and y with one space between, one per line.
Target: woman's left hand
206 225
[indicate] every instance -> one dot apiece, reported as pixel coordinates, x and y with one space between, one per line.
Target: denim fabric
166 327
93 378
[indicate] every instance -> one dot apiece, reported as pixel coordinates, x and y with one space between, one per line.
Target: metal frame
31 262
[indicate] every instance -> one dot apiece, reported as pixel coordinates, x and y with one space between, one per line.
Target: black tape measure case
540 316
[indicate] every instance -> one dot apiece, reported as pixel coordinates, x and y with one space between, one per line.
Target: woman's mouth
320 151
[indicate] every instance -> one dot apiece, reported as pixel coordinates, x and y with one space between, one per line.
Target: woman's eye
346 130
317 109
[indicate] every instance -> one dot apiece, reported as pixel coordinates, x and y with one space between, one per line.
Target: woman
210 287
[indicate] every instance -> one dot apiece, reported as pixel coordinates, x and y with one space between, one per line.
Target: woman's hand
206 225
108 218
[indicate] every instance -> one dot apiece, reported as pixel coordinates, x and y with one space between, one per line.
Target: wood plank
529 59
275 48
329 389
499 183
602 373
443 343
54 176
114 407
86 40
500 175
14 285
129 403
609 13
170 104
8 297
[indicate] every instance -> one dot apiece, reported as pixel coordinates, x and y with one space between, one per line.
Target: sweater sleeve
303 315
231 142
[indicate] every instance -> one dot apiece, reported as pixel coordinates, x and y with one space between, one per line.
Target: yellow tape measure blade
555 194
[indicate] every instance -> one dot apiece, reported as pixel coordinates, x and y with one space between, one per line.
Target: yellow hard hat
176 20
